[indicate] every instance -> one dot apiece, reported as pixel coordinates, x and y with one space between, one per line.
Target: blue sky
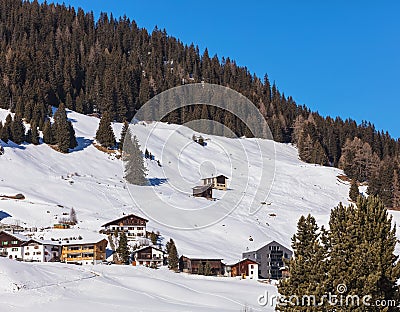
340 58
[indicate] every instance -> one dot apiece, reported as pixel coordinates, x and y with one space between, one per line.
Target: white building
11 245
36 250
132 225
148 256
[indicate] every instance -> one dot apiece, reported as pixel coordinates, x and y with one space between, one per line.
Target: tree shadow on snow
157 181
82 144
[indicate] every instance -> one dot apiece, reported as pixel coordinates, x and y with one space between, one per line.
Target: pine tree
34 134
362 255
105 134
18 129
207 269
123 250
396 190
135 171
354 192
153 238
308 266
200 270
72 216
123 134
47 133
63 131
173 258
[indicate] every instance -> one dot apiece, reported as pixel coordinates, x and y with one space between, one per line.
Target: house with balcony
270 258
218 182
149 256
84 251
36 250
133 226
11 245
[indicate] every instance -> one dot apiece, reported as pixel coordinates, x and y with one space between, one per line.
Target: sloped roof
201 188
123 218
145 247
244 259
221 175
20 237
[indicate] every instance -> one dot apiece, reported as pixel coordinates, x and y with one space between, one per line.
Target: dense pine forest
53 54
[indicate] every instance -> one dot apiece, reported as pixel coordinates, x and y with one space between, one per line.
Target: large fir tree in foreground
135 171
358 252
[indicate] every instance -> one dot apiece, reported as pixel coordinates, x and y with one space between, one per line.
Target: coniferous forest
53 54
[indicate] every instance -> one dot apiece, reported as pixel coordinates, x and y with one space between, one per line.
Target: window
14 242
36 247
14 249
5 243
38 253
27 254
252 266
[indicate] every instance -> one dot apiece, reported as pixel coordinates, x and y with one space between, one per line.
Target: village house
35 250
132 225
270 258
245 268
192 265
11 245
150 256
203 191
84 251
218 182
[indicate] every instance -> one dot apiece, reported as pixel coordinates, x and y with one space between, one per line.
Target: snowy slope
92 183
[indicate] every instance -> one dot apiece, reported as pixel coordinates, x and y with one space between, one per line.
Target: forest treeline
52 54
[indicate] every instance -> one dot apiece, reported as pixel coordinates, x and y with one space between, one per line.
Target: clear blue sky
341 58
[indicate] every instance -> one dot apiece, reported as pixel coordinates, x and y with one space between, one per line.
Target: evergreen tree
63 131
6 133
18 129
200 270
307 268
47 132
123 134
153 238
105 134
34 134
123 250
354 192
396 190
173 258
135 171
207 269
72 216
362 251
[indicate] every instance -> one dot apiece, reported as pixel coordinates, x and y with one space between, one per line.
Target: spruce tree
105 134
6 133
135 171
123 250
207 269
123 134
354 192
396 190
362 255
47 133
173 258
18 129
308 266
34 134
72 216
63 130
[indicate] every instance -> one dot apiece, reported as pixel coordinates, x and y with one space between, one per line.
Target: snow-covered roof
153 247
20 237
123 218
72 236
220 175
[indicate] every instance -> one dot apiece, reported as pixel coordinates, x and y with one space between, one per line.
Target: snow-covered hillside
92 182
